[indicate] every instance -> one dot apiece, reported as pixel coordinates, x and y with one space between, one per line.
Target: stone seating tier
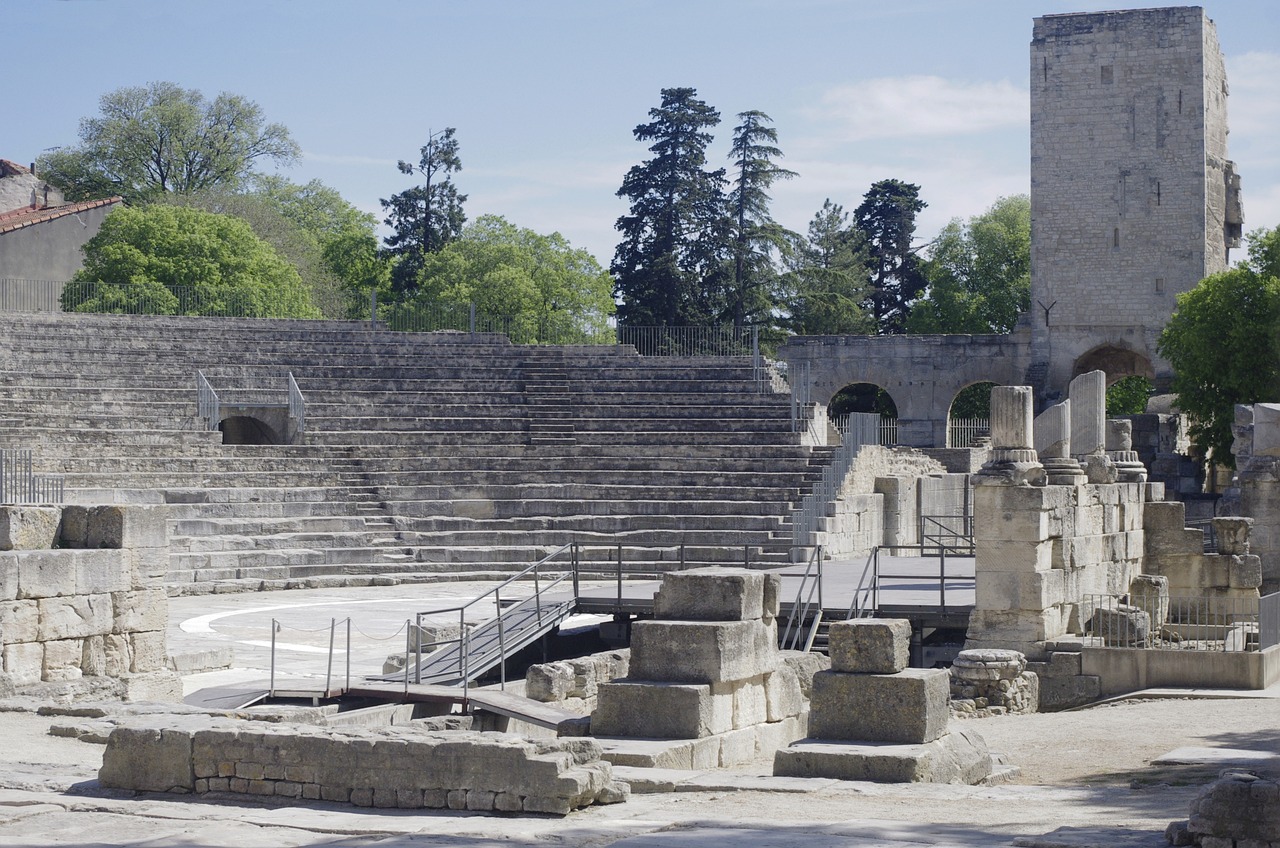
418 454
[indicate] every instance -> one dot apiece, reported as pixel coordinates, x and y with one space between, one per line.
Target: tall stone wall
82 599
1133 200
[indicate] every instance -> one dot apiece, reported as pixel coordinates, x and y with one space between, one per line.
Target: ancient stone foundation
572 684
992 682
82 606
872 718
707 669
404 767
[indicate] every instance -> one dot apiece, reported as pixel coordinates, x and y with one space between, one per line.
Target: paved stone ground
1088 779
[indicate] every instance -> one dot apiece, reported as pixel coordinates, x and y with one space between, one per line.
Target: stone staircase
426 456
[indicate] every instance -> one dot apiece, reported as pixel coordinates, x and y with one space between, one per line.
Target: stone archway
968 415
1117 362
247 430
865 397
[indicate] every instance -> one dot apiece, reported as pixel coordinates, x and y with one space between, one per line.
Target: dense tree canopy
160 138
304 224
670 267
828 282
887 220
539 286
979 273
1223 342
170 260
426 217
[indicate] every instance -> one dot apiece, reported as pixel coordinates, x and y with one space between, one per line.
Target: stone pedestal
1129 468
993 682
872 718
1052 436
708 669
1013 459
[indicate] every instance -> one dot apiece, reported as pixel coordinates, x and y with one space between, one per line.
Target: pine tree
757 238
828 282
887 220
669 268
426 217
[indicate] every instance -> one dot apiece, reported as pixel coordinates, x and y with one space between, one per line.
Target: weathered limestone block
62 659
148 759
908 707
1240 809
661 710
74 617
1266 429
870 645
1121 626
24 662
711 594
1088 394
805 664
1233 534
701 651
19 621
145 609
784 696
45 574
1150 593
147 651
958 757
99 572
28 528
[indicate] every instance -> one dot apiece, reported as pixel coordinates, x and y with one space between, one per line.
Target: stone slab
958 757
910 707
1224 757
701 651
659 710
870 645
711 594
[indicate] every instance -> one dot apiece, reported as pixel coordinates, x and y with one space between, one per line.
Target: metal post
408 640
942 576
746 556
417 651
619 602
472 312
328 673
819 555
271 687
373 307
348 683
574 558
682 556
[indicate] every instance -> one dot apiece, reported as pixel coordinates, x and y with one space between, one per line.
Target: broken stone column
1013 459
1129 468
992 681
1260 492
873 718
1239 809
1088 394
1052 430
707 668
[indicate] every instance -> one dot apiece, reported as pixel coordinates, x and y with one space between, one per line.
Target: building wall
1129 178
49 250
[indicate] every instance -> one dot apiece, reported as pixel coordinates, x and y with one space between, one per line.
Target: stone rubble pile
573 684
402 767
990 681
1240 810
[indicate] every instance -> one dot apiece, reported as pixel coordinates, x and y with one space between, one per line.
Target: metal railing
808 604
961 432
949 534
866 594
1205 525
20 484
612 563
267 390
813 506
691 341
208 407
329 691
297 406
1183 623
517 622
801 398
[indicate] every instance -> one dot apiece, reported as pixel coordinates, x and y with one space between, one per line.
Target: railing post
417 650
328 674
472 312
618 604
373 307
576 567
271 686
408 641
819 556
347 685
502 643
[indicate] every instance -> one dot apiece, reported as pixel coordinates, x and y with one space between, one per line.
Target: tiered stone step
424 453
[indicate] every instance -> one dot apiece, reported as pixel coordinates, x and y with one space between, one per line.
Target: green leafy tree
827 282
540 287
1129 395
355 259
887 220
148 141
757 238
979 273
669 268
1223 342
426 217
170 260
299 222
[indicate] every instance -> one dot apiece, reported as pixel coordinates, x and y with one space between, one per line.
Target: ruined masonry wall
402 767
94 606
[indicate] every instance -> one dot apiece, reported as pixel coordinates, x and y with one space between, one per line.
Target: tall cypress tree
424 218
757 238
669 267
887 219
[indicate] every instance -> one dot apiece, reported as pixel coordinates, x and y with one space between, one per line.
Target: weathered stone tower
1133 200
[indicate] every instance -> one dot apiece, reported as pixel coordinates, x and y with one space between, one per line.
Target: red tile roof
25 217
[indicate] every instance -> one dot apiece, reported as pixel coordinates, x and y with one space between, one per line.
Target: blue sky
545 93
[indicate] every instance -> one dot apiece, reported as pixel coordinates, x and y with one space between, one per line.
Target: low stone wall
1122 670
81 597
404 767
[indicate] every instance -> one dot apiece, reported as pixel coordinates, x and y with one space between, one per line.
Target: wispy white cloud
899 107
318 158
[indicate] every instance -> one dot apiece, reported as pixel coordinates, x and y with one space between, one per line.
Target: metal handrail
804 603
960 541
208 408
464 634
297 406
813 506
329 691
868 585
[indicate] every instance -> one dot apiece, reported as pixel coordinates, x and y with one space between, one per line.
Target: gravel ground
1086 780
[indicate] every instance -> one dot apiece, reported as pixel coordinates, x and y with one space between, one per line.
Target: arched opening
969 417
1129 395
246 430
865 397
1117 362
